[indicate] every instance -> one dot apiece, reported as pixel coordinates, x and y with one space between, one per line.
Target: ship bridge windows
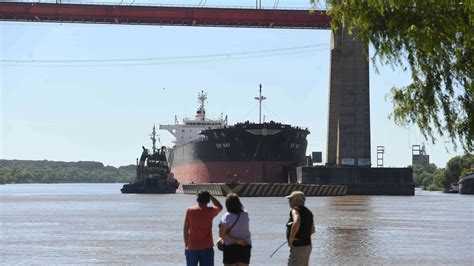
204 124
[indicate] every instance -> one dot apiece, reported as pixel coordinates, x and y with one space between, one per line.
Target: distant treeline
430 177
21 171
426 176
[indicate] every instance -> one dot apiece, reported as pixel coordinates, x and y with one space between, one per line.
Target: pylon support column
349 102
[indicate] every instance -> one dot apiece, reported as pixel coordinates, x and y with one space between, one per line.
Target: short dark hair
203 197
233 204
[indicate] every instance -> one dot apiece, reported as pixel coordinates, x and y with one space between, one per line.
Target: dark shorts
236 253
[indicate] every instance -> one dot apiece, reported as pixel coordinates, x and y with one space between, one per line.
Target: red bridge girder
170 16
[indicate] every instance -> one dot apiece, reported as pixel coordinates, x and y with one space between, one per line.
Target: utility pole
260 98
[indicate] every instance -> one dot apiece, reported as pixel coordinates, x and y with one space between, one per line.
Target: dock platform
265 189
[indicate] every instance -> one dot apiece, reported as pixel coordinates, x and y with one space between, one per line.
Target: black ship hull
246 152
467 186
148 188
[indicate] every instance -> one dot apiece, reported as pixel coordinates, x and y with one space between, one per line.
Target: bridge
348 140
163 15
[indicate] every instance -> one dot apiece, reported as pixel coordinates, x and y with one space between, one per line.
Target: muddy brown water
95 224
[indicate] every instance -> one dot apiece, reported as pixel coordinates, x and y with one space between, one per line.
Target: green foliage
423 174
19 171
428 176
437 183
436 39
434 187
455 169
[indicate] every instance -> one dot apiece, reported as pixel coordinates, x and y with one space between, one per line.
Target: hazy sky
104 110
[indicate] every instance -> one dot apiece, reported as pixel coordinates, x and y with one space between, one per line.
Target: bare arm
313 229
223 233
186 234
295 226
216 202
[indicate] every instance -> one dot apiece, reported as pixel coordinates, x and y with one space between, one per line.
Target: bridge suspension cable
171 59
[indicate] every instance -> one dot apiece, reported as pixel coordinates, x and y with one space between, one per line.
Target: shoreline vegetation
26 171
425 176
430 177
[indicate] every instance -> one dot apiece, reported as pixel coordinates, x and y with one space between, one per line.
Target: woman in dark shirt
300 227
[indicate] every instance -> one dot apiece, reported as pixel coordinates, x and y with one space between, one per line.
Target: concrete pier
265 189
361 180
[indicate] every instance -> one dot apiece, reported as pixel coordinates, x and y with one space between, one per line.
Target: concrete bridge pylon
348 140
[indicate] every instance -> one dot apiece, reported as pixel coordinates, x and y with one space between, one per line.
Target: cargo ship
211 151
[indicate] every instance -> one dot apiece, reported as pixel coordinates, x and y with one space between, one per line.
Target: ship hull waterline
233 172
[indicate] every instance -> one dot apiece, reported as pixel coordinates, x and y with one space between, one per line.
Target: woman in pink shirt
197 230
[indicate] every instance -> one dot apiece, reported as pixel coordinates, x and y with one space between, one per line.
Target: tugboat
454 188
153 173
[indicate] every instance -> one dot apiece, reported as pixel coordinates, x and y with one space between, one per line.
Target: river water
95 224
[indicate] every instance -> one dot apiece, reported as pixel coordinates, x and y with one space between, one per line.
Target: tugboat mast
153 139
260 98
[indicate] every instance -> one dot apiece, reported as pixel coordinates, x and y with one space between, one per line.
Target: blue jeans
205 257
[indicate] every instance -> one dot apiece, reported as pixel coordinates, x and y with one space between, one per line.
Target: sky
104 110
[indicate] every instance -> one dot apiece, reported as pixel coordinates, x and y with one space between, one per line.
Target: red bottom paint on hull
229 172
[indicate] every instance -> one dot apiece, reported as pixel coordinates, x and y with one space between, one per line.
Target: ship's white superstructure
190 129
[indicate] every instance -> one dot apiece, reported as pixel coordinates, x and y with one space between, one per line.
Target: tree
19 171
423 174
455 167
435 39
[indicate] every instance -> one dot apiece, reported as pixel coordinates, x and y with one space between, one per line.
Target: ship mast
153 138
191 128
260 98
201 112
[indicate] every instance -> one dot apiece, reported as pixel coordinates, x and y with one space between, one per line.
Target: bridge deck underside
171 16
